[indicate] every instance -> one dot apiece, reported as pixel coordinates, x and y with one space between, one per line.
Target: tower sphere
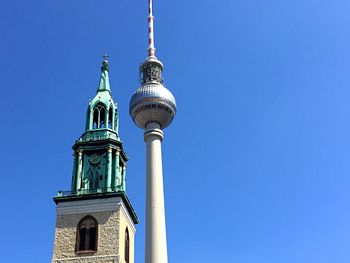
152 102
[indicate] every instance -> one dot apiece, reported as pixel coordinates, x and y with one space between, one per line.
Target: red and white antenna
151 48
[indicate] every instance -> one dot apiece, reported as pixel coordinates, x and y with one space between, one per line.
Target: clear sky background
256 162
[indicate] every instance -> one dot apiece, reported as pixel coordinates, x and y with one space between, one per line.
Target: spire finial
105 62
151 48
105 57
104 80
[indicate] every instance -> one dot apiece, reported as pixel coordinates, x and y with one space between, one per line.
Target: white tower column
156 245
153 108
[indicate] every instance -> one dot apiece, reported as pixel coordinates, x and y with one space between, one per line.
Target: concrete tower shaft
153 108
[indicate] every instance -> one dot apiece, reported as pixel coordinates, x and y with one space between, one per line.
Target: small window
110 118
99 116
116 121
127 246
87 235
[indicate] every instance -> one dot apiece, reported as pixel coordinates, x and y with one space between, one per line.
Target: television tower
153 108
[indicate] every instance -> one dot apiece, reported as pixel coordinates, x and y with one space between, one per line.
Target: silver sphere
152 102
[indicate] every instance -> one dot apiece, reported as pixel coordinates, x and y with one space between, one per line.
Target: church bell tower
95 219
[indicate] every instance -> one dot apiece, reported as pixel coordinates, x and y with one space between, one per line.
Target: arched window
110 118
95 118
116 120
87 235
127 246
99 117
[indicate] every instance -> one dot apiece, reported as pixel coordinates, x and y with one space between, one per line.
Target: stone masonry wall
123 224
107 244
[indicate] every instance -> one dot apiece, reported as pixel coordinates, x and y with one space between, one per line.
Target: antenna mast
151 48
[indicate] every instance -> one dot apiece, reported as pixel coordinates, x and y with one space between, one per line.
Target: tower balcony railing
97 135
89 191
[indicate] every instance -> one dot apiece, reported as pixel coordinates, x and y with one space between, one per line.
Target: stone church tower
95 219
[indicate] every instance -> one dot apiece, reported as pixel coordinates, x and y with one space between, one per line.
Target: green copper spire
99 158
104 81
99 167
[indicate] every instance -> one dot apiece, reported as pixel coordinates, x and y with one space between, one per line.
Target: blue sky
256 163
